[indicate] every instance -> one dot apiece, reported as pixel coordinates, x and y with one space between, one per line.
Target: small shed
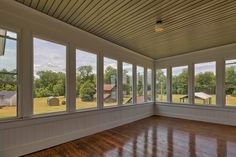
199 95
8 98
53 101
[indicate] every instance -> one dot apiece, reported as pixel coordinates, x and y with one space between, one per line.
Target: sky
204 67
8 60
178 70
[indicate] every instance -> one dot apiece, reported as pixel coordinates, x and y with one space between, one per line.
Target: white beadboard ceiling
190 25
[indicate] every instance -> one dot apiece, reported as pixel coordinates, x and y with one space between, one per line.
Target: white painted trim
212 114
71 78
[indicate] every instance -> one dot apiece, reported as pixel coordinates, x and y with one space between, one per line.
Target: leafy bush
87 91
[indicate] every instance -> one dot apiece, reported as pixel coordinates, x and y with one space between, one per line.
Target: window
140 84
8 74
230 82
86 79
110 94
127 83
161 81
205 83
149 84
49 77
180 84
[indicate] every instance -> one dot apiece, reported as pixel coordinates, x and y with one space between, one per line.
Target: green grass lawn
40 105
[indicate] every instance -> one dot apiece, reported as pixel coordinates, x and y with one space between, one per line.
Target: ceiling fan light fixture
159 26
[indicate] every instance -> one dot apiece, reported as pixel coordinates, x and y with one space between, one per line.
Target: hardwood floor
152 137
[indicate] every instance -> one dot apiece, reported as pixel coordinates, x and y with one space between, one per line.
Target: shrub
87 91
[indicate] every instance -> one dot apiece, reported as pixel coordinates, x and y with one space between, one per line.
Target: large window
127 83
8 74
161 81
86 70
180 84
205 83
110 94
149 84
230 82
49 77
140 84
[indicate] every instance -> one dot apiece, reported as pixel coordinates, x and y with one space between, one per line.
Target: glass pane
180 84
8 55
149 84
8 95
110 82
8 76
49 77
161 80
230 82
140 84
127 83
86 74
205 83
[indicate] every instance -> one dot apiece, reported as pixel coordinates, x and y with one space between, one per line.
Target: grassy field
40 105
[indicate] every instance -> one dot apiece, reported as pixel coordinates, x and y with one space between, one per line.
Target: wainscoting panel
29 135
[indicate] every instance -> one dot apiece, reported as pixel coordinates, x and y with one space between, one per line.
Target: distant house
110 92
8 98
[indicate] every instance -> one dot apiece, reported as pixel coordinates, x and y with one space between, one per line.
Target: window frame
67 52
144 84
132 83
167 81
225 105
102 84
17 74
171 78
216 82
151 84
97 80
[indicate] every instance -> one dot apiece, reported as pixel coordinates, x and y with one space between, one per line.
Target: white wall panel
31 135
200 113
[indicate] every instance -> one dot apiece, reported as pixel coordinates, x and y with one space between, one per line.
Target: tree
8 81
140 85
180 83
85 73
230 80
110 75
126 85
161 82
205 82
49 83
87 91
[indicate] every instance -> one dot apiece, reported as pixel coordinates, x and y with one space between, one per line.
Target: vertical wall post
220 79
145 84
120 83
25 74
100 79
71 78
154 83
134 84
169 82
191 90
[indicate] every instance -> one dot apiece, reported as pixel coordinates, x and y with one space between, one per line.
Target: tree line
204 82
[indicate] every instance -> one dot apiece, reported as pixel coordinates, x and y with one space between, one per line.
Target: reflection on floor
153 137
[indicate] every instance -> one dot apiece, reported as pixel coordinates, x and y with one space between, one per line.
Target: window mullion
71 79
25 75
